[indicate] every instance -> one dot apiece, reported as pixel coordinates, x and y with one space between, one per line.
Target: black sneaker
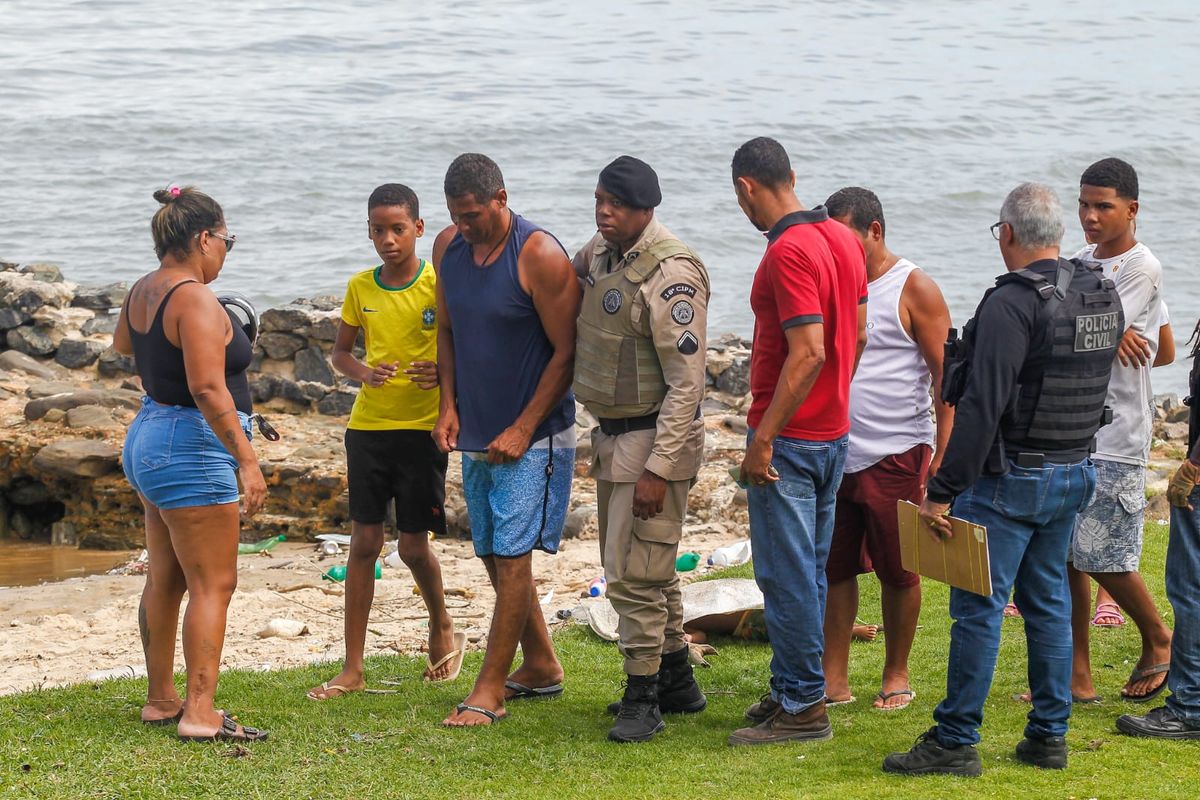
1047 753
678 692
929 757
638 718
1160 723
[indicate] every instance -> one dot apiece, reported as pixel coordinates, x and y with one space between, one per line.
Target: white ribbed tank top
890 405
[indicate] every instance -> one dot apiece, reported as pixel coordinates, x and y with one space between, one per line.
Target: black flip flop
1140 674
229 732
487 712
522 692
158 723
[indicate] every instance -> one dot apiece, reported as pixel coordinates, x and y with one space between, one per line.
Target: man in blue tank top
507 303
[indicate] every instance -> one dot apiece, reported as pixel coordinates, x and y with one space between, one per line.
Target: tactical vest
617 373
1192 401
1063 410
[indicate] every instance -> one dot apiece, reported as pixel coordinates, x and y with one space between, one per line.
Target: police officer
1029 385
639 369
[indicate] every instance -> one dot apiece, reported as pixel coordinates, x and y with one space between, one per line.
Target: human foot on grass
161 711
441 644
865 633
1150 675
534 677
894 693
477 710
347 682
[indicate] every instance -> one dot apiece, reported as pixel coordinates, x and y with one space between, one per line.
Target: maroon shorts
866 536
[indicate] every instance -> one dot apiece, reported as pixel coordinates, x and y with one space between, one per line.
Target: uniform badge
612 301
428 317
590 280
682 312
688 343
678 289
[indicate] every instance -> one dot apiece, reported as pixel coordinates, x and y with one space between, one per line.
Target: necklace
492 252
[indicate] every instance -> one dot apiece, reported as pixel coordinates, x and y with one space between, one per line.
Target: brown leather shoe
763 710
810 725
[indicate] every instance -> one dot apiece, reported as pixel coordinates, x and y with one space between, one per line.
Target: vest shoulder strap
648 260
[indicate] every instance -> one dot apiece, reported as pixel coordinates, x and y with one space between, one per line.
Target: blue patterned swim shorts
519 507
1108 532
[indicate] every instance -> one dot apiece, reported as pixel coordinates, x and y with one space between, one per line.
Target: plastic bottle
260 547
687 562
338 573
128 671
597 587
393 560
731 554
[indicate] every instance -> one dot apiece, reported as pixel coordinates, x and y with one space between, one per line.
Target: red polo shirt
814 270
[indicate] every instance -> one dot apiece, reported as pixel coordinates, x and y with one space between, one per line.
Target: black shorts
400 466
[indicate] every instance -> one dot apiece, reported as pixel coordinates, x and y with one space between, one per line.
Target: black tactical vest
1082 323
1192 401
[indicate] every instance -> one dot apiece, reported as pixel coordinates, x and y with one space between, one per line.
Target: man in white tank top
892 433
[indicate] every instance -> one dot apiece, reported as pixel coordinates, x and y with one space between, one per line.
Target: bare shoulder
441 242
921 293
542 258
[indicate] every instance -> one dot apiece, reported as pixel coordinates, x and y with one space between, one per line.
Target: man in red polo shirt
809 302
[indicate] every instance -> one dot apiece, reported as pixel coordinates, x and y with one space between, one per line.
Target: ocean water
290 113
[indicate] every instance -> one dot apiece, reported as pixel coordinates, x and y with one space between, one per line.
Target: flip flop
327 688
831 703
1094 700
522 692
1139 674
454 658
155 723
885 696
1108 610
491 715
1011 610
230 731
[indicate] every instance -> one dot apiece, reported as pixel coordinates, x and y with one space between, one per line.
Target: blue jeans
1183 590
1029 515
791 527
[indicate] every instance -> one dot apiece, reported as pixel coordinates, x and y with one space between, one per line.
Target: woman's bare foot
441 643
163 710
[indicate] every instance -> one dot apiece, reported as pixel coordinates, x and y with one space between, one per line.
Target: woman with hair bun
184 453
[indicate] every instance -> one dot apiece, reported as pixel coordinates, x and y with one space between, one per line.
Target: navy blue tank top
500 349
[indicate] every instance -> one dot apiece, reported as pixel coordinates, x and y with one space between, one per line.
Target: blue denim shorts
173 458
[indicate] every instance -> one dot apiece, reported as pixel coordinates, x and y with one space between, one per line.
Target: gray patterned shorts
1108 532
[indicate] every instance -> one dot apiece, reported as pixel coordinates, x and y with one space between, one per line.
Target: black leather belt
615 427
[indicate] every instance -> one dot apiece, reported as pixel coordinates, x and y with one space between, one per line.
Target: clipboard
961 560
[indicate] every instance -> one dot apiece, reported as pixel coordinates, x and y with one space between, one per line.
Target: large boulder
281 345
33 340
12 317
113 398
736 378
287 319
101 298
112 364
78 458
78 353
312 365
92 417
47 388
16 361
27 293
100 323
48 273
337 403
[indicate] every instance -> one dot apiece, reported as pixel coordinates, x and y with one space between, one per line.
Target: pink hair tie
174 190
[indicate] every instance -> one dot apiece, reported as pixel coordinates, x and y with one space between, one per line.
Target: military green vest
617 374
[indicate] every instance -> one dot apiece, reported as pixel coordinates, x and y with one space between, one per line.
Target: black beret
632 180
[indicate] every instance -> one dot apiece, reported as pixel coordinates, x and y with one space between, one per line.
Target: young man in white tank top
892 449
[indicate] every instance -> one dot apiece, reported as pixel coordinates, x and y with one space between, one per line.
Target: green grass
85 741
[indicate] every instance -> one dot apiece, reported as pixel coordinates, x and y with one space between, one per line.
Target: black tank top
160 363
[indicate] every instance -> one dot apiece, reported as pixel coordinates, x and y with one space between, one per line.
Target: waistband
616 427
152 406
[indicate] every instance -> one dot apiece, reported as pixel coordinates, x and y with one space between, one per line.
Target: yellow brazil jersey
400 324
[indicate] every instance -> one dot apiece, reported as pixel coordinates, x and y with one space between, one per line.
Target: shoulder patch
682 312
678 289
687 343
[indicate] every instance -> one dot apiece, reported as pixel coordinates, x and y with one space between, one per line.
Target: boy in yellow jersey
390 456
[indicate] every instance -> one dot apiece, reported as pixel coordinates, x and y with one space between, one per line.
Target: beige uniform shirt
671 309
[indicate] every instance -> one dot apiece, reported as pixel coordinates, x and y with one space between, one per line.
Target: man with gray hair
1028 380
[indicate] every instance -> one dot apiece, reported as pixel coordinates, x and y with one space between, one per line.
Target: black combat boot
678 692
638 718
1049 752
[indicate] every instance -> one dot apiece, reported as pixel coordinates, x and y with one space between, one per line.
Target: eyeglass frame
995 228
229 241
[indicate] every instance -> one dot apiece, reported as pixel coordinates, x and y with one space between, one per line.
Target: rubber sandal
487 712
522 692
1139 674
831 703
885 696
454 657
1108 610
158 723
1011 610
327 688
230 731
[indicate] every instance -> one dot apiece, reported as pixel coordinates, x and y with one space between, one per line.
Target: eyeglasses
229 241
995 229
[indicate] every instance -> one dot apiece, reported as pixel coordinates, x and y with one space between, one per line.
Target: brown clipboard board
961 560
